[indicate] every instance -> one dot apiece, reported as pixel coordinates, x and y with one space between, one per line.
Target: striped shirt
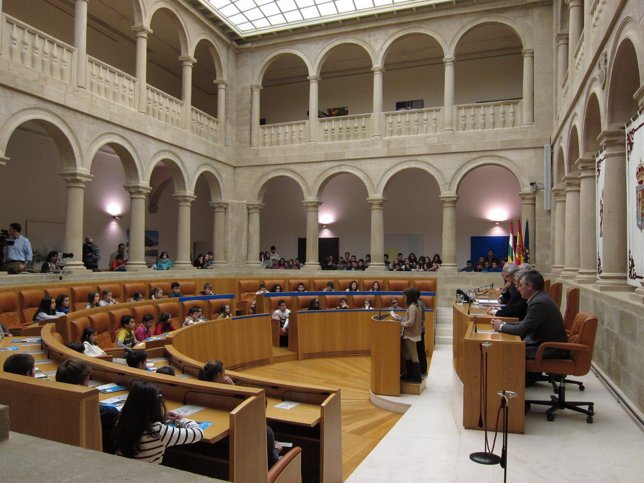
153 445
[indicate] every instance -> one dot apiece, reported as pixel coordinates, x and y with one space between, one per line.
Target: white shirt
93 350
282 317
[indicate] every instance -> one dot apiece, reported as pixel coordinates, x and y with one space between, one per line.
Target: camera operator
91 254
18 254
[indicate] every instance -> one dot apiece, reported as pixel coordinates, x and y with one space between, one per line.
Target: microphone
466 298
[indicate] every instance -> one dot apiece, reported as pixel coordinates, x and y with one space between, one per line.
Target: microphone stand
485 457
505 408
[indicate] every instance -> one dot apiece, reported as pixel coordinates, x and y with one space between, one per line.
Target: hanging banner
635 200
600 157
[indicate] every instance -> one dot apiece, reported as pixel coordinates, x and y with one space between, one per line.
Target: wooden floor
363 424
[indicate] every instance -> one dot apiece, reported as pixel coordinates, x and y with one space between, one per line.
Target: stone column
1 37
254 114
312 234
376 120
219 231
80 41
587 232
562 60
75 180
448 102
142 33
184 201
528 87
575 27
528 203
571 248
221 110
314 123
614 254
559 196
449 231
138 195
252 258
377 233
186 90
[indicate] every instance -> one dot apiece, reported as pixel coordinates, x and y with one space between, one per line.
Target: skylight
252 17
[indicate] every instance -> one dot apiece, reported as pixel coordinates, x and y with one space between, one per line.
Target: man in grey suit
543 321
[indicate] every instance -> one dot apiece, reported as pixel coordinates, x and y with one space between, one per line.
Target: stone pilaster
571 248
219 231
448 100
138 196
587 226
253 233
184 202
449 231
377 233
559 196
312 234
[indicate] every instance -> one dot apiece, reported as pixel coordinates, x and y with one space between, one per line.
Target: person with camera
18 254
91 254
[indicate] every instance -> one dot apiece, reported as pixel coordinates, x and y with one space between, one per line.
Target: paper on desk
9 348
43 361
28 340
481 331
116 401
34 353
487 302
287 405
119 360
111 387
188 410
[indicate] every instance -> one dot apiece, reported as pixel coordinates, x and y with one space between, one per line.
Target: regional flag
518 252
511 245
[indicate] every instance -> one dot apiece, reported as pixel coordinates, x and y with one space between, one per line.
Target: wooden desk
463 314
505 371
303 414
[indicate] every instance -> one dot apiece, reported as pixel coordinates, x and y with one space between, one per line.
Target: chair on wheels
581 342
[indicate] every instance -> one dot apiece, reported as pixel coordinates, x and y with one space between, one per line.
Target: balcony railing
36 50
345 128
413 122
110 83
488 115
204 125
283 134
164 107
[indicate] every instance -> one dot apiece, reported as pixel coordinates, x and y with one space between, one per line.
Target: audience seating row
18 304
107 320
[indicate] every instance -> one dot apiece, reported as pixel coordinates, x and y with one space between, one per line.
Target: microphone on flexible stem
505 407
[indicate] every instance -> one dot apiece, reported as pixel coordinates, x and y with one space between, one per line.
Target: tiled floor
429 445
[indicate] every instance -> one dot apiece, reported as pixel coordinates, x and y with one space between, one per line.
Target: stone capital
219 205
575 3
3 160
184 198
187 60
142 31
586 165
562 38
528 52
378 69
448 199
528 197
449 59
376 202
137 190
639 96
572 182
311 205
256 87
76 177
254 207
559 194
611 137
221 84
314 78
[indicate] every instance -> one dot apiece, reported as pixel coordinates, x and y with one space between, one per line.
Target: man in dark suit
515 305
543 321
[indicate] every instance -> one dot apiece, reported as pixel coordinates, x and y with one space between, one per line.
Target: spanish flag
518 256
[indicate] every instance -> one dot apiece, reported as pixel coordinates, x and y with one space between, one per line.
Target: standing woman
143 431
412 327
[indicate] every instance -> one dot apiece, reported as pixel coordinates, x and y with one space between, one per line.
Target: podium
385 356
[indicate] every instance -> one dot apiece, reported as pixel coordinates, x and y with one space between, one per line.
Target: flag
518 251
526 244
511 244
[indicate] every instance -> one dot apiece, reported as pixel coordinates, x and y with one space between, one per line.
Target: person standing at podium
411 324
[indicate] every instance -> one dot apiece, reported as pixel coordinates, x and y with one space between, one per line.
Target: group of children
143 429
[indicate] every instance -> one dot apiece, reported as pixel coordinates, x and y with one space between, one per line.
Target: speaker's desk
505 368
